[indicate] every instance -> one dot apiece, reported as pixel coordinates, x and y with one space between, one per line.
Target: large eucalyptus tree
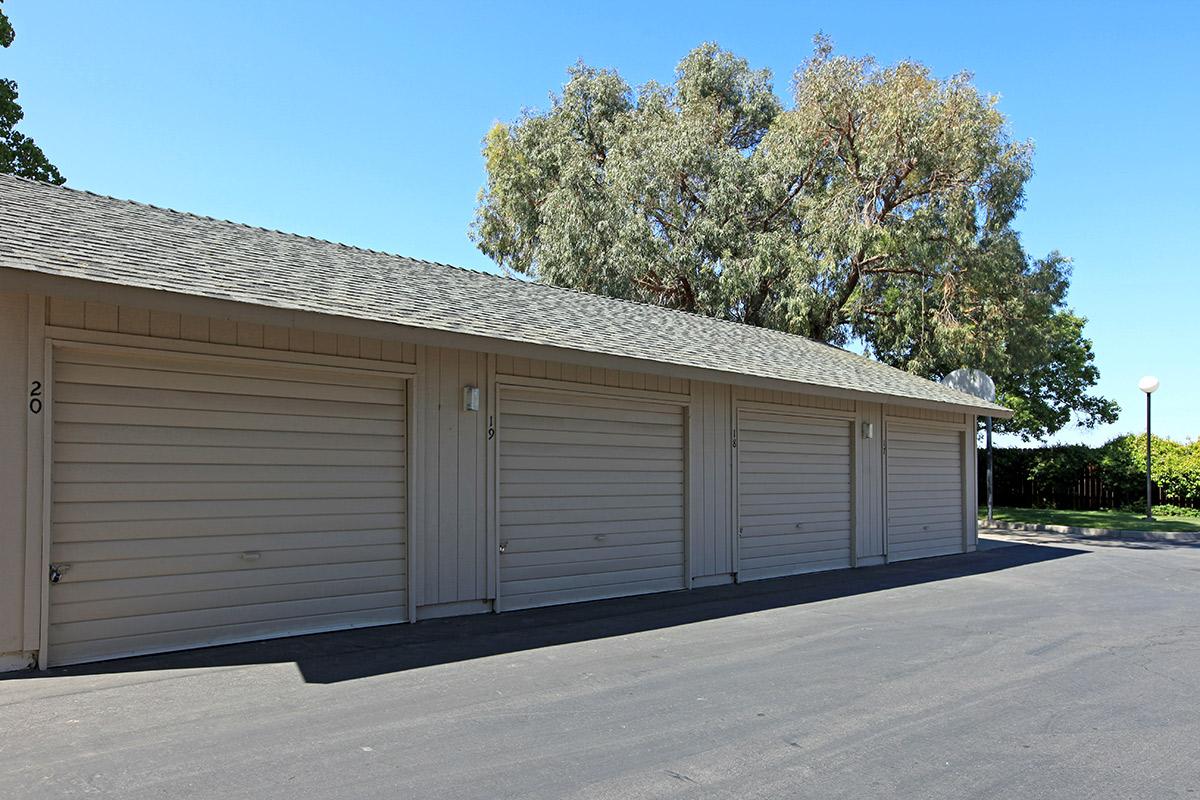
877 208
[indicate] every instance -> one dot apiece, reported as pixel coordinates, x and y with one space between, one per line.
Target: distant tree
876 209
19 155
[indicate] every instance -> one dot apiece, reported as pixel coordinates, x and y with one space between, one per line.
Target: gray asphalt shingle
67 232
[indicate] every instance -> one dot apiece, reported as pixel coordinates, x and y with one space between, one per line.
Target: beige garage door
924 491
794 494
591 497
199 500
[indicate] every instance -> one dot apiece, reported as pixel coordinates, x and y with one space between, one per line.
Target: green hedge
1118 465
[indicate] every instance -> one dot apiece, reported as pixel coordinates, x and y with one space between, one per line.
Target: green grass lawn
1093 519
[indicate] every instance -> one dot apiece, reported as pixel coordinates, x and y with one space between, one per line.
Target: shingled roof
76 234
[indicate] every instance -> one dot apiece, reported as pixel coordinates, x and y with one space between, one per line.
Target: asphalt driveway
1029 670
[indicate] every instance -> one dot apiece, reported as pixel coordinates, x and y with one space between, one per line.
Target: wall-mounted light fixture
470 398
868 430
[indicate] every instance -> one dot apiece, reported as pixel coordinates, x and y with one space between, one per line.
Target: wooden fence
1088 493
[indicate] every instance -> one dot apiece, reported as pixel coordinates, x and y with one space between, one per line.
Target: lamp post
1149 385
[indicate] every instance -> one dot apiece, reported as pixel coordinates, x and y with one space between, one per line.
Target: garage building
215 432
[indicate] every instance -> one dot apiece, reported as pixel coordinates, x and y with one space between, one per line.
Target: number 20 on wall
35 397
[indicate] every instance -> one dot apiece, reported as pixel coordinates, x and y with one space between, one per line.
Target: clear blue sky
361 122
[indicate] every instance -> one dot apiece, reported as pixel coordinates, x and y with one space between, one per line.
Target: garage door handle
503 547
251 555
799 524
601 537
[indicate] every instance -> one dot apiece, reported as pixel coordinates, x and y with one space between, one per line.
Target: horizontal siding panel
618 534
188 436
154 585
265 543
205 500
149 529
578 595
224 598
245 490
173 362
293 456
217 509
65 632
120 647
213 401
142 379
227 420
221 473
134 567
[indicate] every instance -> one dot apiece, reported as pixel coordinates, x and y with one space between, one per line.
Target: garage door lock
503 546
57 570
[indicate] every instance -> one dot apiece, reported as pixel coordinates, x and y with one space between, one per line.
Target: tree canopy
19 154
876 209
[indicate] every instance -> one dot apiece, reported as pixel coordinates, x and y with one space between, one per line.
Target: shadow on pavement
347 655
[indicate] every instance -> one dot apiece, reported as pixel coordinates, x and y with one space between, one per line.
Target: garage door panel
815 466
225 420
659 513
617 461
595 562
544 551
70 433
794 494
584 578
153 454
645 450
766 427
789 542
785 563
117 647
764 451
615 534
580 427
924 491
591 497
254 569
538 411
636 497
171 399
217 490
196 364
143 605
140 379
823 484
587 593
158 510
99 591
150 624
266 544
221 473
532 438
204 500
592 477
95 531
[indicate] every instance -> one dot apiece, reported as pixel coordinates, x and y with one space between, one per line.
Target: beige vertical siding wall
14 391
454 505
869 497
710 484
452 549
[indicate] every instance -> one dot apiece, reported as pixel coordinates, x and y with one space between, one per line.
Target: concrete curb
1175 537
